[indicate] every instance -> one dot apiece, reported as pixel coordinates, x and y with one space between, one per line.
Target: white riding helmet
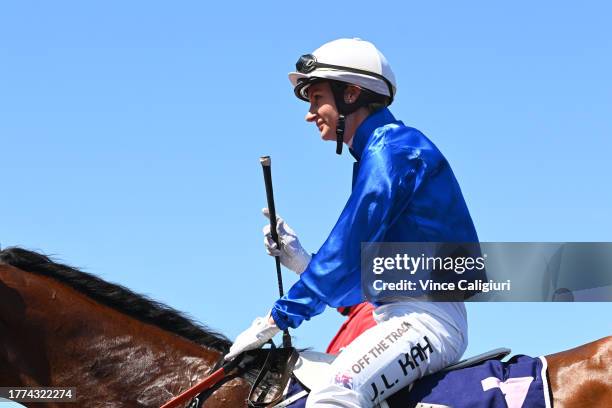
349 60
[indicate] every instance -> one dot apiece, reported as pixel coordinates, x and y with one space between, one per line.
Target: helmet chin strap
340 134
345 108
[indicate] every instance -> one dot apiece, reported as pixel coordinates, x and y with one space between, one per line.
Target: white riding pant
404 345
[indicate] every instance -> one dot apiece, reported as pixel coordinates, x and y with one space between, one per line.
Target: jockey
403 191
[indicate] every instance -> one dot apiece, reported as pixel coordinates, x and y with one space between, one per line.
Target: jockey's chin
327 133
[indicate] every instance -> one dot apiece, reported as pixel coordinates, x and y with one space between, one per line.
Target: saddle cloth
520 382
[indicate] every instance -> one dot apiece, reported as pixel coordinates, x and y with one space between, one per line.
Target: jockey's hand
262 329
291 253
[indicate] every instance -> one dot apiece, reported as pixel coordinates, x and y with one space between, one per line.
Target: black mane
115 296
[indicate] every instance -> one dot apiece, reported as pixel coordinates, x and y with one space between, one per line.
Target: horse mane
116 296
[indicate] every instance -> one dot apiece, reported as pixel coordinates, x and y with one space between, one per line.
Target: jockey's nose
310 115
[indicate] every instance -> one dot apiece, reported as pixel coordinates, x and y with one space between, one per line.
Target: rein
210 381
267 389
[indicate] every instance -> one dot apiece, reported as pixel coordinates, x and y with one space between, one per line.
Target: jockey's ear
351 93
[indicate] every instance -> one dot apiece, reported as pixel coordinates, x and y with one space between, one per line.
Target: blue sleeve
386 180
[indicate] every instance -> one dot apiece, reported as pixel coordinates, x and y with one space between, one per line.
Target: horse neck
56 336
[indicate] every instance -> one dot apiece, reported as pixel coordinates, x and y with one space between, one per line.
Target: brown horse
62 327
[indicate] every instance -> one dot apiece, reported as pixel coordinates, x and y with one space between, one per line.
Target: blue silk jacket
403 191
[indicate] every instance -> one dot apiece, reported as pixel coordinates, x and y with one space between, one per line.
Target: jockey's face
322 110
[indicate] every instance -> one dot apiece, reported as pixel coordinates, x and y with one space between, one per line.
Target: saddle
309 369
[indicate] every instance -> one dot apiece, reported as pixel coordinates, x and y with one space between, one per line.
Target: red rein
196 389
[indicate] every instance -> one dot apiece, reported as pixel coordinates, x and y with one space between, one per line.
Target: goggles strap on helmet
308 63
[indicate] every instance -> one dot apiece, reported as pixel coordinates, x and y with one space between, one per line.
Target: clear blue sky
131 131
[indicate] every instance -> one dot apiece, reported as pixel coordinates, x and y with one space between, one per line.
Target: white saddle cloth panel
311 368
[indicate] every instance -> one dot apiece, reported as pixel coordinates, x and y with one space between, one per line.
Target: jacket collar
366 128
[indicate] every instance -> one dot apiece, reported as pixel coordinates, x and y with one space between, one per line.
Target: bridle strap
282 361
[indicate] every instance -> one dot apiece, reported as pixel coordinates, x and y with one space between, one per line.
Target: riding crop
220 373
266 164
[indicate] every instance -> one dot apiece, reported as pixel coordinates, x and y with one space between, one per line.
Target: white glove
254 337
291 253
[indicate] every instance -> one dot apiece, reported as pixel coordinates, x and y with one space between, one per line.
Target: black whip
266 164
